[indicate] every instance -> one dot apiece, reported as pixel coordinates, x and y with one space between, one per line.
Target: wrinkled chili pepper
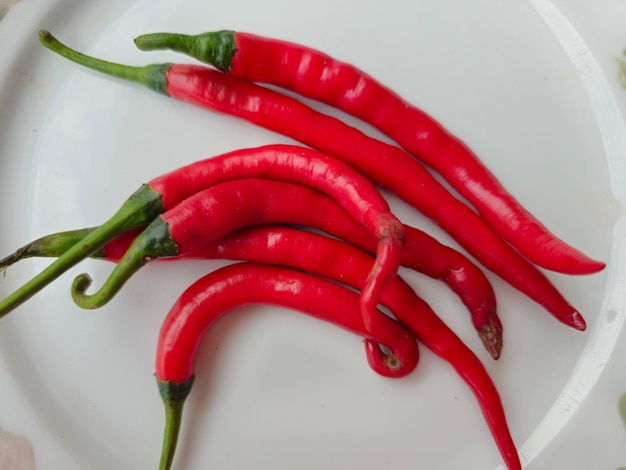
210 214
196 310
387 165
287 162
316 75
421 252
208 299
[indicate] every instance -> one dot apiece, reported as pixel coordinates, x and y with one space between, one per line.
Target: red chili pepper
387 165
281 162
194 313
210 298
210 214
316 75
421 252
278 244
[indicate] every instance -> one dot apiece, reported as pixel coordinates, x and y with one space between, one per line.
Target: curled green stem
137 212
154 242
174 395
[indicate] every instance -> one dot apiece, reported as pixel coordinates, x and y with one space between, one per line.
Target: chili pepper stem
154 242
49 246
174 395
136 212
216 48
152 76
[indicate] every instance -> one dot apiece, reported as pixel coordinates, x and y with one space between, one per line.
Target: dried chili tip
491 335
173 395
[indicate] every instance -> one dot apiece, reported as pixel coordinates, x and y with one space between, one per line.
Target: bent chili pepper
385 164
421 252
190 317
316 75
214 295
280 162
210 214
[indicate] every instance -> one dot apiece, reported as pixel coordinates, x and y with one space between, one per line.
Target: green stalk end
154 242
216 48
137 212
174 395
153 76
49 246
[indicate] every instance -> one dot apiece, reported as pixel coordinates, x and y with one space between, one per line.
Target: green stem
216 48
49 246
137 212
153 76
154 242
174 395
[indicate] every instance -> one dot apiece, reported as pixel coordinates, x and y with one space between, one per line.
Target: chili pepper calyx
216 48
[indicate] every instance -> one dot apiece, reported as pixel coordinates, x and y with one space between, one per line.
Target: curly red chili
214 295
346 264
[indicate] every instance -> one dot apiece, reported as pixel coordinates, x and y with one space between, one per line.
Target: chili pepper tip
491 336
578 322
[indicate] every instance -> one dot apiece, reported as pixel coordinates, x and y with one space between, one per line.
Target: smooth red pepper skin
214 295
319 76
311 168
421 252
281 162
385 164
287 246
347 265
214 212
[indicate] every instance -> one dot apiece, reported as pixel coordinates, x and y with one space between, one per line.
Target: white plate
276 390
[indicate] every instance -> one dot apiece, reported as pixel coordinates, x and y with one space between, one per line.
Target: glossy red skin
385 164
316 75
197 310
421 252
225 289
355 193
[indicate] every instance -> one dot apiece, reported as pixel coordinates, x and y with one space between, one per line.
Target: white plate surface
276 390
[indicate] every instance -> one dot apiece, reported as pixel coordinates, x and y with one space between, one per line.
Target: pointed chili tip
577 321
584 266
